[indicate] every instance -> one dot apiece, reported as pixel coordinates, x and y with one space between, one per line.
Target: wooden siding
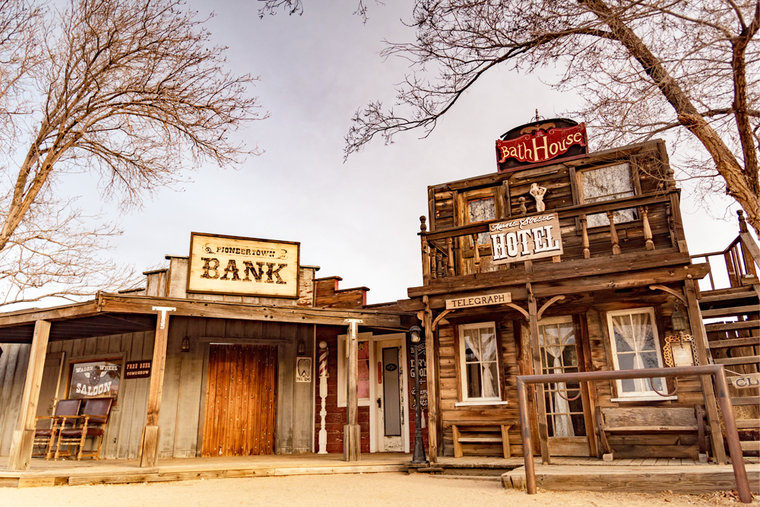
13 364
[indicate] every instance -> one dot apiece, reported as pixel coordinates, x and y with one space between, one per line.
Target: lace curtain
481 342
554 342
636 348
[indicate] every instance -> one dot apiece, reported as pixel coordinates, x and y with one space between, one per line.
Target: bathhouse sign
526 238
242 266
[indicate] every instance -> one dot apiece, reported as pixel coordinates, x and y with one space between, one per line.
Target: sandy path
336 490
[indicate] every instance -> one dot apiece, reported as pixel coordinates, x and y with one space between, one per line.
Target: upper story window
479 362
635 345
480 210
607 184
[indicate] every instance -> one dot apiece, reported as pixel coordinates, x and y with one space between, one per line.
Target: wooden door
241 399
565 402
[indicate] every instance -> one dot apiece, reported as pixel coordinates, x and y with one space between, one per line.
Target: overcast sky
358 219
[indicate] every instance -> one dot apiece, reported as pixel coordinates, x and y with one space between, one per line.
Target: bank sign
526 238
242 266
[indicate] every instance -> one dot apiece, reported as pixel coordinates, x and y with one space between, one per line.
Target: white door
391 413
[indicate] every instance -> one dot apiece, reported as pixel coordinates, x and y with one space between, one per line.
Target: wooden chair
64 414
91 424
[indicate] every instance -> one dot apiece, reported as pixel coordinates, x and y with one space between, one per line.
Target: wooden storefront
568 262
192 372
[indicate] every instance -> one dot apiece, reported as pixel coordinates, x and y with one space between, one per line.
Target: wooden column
23 435
150 434
351 431
700 340
543 433
432 382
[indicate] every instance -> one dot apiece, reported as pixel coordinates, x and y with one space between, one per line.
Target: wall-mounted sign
745 381
479 300
94 379
539 142
526 238
242 266
137 369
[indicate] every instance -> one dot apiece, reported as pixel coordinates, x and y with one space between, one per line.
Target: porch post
150 434
23 436
700 340
351 431
432 382
543 434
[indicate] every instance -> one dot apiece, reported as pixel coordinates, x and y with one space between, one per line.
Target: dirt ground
338 490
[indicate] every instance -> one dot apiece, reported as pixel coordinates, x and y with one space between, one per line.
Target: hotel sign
526 238
242 266
479 300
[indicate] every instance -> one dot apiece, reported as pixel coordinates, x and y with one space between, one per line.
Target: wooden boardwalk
62 473
633 475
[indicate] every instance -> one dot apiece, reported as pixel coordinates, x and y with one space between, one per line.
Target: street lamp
415 334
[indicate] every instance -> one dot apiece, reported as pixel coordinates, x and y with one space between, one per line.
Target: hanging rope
559 393
666 395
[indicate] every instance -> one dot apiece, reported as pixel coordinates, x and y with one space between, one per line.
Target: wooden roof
119 313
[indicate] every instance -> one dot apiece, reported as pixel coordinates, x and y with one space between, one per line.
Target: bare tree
130 91
645 68
270 7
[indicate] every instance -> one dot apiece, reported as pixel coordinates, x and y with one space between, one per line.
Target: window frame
635 190
462 363
636 395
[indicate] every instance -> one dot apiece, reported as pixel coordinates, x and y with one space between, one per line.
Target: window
479 362
363 347
635 345
607 184
480 210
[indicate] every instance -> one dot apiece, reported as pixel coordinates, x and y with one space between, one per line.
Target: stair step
747 341
731 310
728 326
750 445
745 400
737 360
723 295
748 424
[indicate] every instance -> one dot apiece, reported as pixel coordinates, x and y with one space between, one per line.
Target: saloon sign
242 266
526 238
540 142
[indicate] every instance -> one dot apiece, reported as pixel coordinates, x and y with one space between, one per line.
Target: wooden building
216 356
563 261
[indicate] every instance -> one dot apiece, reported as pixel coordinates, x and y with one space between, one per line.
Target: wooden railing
444 250
738 262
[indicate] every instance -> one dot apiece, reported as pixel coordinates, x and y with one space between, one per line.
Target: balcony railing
737 264
460 250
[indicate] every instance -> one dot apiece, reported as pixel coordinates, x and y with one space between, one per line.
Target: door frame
375 389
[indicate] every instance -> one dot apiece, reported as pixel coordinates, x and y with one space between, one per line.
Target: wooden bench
650 421
481 432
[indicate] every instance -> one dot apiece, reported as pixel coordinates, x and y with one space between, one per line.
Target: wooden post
23 436
432 382
322 396
700 340
613 234
425 251
450 254
648 244
543 433
584 230
476 253
351 431
150 434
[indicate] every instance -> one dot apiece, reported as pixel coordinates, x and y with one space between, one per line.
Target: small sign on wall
95 379
745 381
303 369
137 369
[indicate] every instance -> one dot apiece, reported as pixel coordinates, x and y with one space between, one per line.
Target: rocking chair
65 414
92 424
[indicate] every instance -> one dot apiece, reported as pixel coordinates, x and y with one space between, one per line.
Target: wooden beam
543 433
432 382
23 437
56 313
150 435
351 431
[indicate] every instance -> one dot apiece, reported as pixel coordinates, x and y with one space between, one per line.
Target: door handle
379 403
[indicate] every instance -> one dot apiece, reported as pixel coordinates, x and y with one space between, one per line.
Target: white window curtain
555 341
481 342
636 348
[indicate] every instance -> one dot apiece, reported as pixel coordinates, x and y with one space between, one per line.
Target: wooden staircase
731 317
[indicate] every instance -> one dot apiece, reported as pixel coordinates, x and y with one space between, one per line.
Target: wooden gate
240 400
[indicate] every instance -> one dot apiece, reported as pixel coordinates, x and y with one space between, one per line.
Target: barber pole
322 397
